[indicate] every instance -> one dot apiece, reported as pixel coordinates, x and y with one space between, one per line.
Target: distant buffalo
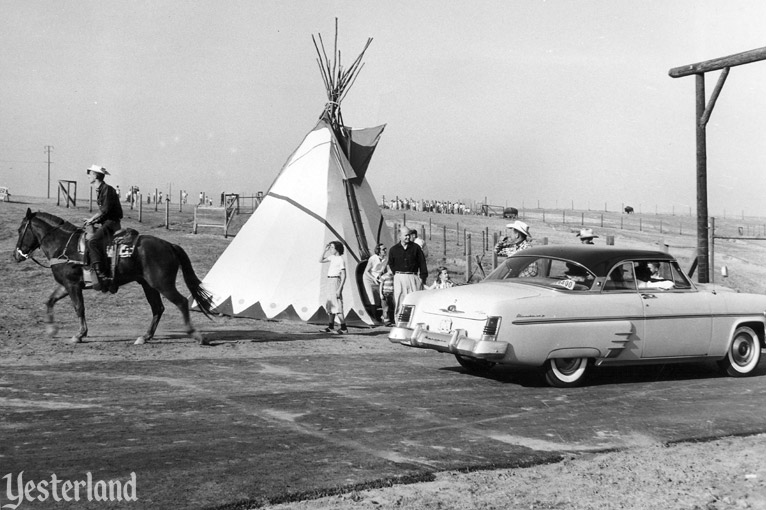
629 210
510 212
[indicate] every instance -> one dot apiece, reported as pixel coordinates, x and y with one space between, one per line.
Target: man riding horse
107 222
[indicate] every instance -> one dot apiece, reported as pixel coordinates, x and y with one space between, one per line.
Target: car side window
621 278
680 280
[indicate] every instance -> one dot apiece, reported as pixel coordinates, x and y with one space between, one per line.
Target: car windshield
547 271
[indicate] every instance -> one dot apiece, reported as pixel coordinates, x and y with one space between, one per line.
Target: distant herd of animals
512 212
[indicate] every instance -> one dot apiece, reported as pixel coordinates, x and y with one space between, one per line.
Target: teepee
271 269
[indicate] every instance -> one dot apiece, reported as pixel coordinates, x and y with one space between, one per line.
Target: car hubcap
741 351
568 366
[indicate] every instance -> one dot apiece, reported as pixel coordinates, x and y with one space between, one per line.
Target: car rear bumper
455 342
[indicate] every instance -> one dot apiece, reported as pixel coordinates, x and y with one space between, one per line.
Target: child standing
387 297
442 281
336 278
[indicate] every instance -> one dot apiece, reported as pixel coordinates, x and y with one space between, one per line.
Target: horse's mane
55 221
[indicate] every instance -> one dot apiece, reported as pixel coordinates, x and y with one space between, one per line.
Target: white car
565 308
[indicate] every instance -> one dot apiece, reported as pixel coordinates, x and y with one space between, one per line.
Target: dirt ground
724 474
720 474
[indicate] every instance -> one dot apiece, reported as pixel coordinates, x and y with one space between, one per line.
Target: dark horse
154 265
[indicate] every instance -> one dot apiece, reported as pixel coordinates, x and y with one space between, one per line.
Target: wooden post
156 195
468 269
610 240
444 247
602 221
140 207
90 200
457 233
167 215
429 228
582 219
181 201
494 255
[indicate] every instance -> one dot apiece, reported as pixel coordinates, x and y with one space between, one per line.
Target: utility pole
48 149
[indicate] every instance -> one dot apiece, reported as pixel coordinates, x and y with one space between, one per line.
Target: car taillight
406 314
491 328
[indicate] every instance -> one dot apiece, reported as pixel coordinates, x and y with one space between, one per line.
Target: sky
525 103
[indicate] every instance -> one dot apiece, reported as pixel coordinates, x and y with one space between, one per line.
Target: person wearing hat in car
518 239
586 236
106 222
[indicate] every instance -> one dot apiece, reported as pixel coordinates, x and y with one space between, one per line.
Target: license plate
445 326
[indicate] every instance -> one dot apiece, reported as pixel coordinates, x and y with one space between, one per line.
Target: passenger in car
646 281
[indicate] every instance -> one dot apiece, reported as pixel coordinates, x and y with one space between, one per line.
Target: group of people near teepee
390 274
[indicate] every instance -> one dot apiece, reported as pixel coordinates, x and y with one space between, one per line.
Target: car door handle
648 296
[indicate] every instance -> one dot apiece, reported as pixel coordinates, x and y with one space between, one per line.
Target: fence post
457 234
140 207
602 221
167 214
468 270
180 201
156 195
444 247
494 255
582 219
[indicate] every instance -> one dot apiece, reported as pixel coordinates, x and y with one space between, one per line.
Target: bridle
28 255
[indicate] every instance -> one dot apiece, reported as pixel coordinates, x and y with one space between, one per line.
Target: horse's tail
202 296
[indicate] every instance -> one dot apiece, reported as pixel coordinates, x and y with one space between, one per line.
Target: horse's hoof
140 341
75 340
198 337
51 329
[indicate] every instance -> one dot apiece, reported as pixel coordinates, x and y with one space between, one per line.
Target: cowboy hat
586 233
97 169
519 226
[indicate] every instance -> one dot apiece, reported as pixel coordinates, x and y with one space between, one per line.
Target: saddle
121 245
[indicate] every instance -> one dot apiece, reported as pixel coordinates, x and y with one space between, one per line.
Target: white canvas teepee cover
271 269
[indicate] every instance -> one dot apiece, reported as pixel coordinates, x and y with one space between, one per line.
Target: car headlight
405 315
491 328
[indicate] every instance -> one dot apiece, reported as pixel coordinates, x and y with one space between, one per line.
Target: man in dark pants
106 221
